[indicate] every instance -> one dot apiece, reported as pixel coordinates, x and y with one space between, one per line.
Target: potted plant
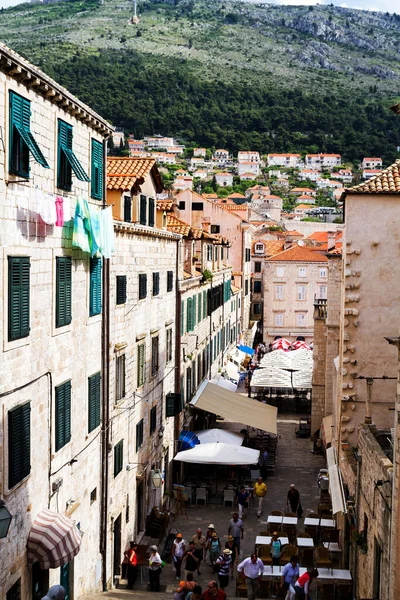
207 275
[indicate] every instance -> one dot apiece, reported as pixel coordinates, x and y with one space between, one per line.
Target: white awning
235 408
208 436
326 430
219 454
225 383
335 485
271 377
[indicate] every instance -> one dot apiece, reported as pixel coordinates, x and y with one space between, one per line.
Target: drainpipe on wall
358 458
105 380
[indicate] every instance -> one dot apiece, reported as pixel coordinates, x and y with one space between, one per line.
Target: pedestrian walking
213 592
302 585
224 562
178 551
276 549
290 573
260 489
231 545
200 543
263 462
131 558
210 531
184 587
214 547
242 500
196 594
190 560
154 569
236 529
252 568
56 592
293 499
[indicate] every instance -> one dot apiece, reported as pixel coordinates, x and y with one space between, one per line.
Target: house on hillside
322 161
223 178
199 152
309 175
249 167
284 160
371 163
305 199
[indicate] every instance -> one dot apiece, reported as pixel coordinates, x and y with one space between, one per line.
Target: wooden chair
312 531
307 557
330 535
241 589
323 557
325 510
290 514
266 533
303 534
276 513
313 515
287 552
290 531
264 552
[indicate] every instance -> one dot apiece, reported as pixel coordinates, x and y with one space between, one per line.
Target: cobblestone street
295 464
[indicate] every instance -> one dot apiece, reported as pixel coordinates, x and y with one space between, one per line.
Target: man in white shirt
252 568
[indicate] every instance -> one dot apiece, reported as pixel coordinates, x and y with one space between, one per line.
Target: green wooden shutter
143 210
141 364
172 404
19 441
97 171
194 312
118 457
156 284
139 435
95 286
189 315
18 297
67 160
142 286
63 290
151 212
170 281
204 304
63 415
94 401
199 308
183 317
121 289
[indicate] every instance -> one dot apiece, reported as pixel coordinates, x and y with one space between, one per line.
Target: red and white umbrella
300 345
281 344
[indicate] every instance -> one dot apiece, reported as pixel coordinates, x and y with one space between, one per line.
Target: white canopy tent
235 407
335 484
302 379
272 377
219 454
208 436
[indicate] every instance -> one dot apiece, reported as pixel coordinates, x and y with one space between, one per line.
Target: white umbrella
219 435
219 454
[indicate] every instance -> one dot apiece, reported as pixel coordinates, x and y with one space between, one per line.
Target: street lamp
5 519
156 478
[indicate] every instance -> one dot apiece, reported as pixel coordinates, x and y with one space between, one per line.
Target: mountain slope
230 73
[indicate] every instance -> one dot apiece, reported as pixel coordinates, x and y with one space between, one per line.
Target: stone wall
319 367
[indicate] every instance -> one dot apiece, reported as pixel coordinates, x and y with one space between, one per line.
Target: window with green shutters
63 290
170 281
141 374
18 297
19 444
139 435
63 415
156 284
67 163
189 315
21 140
143 210
194 315
95 286
183 317
155 355
121 289
97 171
152 211
142 286
94 401
118 457
199 308
204 304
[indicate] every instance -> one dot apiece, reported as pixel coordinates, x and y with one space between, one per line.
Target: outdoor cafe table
274 520
305 543
335 575
263 540
289 521
332 546
328 523
273 571
311 521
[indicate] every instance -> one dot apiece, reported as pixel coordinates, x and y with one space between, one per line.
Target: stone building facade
51 342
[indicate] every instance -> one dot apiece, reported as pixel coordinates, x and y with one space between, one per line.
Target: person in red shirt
302 585
213 592
131 555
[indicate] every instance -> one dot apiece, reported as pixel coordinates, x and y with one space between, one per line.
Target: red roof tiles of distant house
298 254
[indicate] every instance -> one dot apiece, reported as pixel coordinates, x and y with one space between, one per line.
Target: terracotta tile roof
305 197
210 196
186 275
164 204
236 195
294 232
273 247
374 159
322 236
124 172
298 254
387 182
177 225
302 206
337 251
302 190
323 246
284 155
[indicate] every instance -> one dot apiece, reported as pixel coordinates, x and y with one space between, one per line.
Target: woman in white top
154 569
178 550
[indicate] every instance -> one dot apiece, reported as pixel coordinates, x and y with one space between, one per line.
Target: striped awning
53 540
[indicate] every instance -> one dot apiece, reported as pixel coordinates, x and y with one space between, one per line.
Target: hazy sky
383 5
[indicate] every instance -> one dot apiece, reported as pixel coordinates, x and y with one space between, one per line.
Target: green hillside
228 74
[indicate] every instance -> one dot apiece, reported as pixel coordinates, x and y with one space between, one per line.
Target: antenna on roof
135 19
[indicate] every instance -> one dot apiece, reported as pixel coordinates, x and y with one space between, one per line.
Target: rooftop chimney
331 240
